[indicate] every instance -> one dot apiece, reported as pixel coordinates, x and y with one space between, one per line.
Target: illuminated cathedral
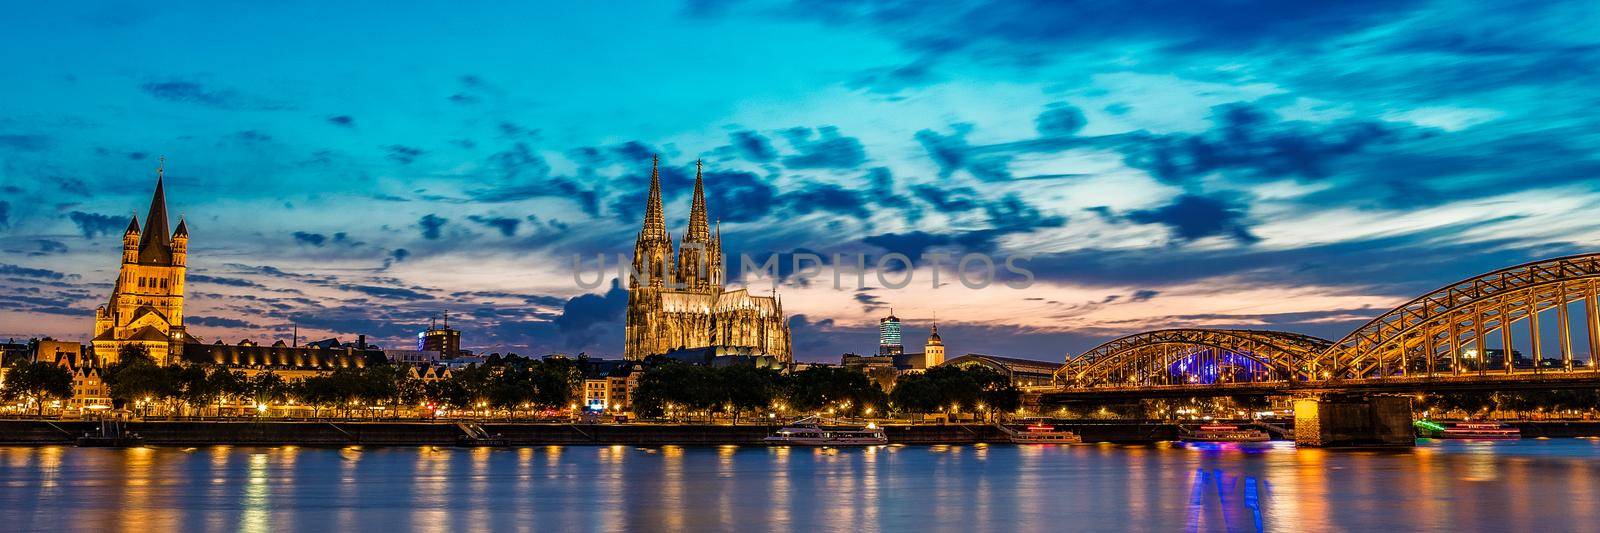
677 300
146 306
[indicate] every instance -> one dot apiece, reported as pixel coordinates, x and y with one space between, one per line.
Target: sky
362 167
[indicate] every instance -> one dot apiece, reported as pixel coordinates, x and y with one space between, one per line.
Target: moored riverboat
1041 434
1225 433
807 433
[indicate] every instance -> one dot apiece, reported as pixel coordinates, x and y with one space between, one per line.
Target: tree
844 390
972 387
268 388
136 378
37 381
747 388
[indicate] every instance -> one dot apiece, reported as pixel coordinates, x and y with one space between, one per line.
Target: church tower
933 352
688 308
697 251
146 306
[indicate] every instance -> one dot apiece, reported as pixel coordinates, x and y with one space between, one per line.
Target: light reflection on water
1189 487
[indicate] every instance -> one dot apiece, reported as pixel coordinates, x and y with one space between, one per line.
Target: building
609 386
445 341
146 306
933 351
677 299
867 363
1021 372
414 357
889 335
65 353
722 356
291 362
89 391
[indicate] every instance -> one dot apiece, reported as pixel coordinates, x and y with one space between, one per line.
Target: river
1457 486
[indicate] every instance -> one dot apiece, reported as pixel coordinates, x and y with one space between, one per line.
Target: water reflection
1439 486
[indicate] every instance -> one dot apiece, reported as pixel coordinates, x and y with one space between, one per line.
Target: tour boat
110 434
1226 433
1480 431
1042 434
810 434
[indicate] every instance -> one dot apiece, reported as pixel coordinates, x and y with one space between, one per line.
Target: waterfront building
445 341
146 306
609 386
889 335
1021 372
290 362
89 390
676 299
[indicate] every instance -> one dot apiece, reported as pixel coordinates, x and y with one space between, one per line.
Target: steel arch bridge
1461 334
1194 356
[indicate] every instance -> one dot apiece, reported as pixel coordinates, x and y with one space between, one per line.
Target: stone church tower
146 306
676 300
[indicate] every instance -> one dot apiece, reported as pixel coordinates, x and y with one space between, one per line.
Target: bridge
1463 336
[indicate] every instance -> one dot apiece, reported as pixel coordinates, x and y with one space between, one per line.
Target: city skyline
1159 175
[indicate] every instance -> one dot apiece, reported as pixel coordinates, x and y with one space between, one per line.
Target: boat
473 435
110 434
808 433
1225 433
1478 431
1040 433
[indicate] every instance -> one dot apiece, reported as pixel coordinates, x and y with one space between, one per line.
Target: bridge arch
1193 355
1460 327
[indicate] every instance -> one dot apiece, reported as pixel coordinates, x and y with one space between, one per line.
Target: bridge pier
1366 421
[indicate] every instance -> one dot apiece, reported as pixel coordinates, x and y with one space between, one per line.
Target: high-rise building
933 351
146 306
443 340
889 335
680 302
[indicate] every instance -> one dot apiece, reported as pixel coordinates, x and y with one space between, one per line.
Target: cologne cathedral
677 301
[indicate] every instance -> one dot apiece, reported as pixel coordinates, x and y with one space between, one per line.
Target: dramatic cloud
313 239
14 270
1194 217
505 225
24 142
1288 165
754 147
823 148
94 224
402 154
189 92
431 225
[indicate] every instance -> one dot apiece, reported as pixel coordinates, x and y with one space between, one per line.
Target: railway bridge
1529 326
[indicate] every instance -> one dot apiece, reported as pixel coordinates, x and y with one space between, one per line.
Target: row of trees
513 383
1517 402
510 383
685 391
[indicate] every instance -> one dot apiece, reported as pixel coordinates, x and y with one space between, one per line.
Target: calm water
1553 484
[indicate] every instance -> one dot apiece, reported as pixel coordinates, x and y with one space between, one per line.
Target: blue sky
358 168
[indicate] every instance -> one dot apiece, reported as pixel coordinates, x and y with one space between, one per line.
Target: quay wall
342 433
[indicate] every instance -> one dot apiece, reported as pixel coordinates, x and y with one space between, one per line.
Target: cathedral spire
154 243
655 224
698 229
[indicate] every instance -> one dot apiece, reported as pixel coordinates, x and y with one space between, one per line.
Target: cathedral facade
676 297
146 306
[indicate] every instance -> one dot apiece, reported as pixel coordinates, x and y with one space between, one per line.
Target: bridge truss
1464 332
